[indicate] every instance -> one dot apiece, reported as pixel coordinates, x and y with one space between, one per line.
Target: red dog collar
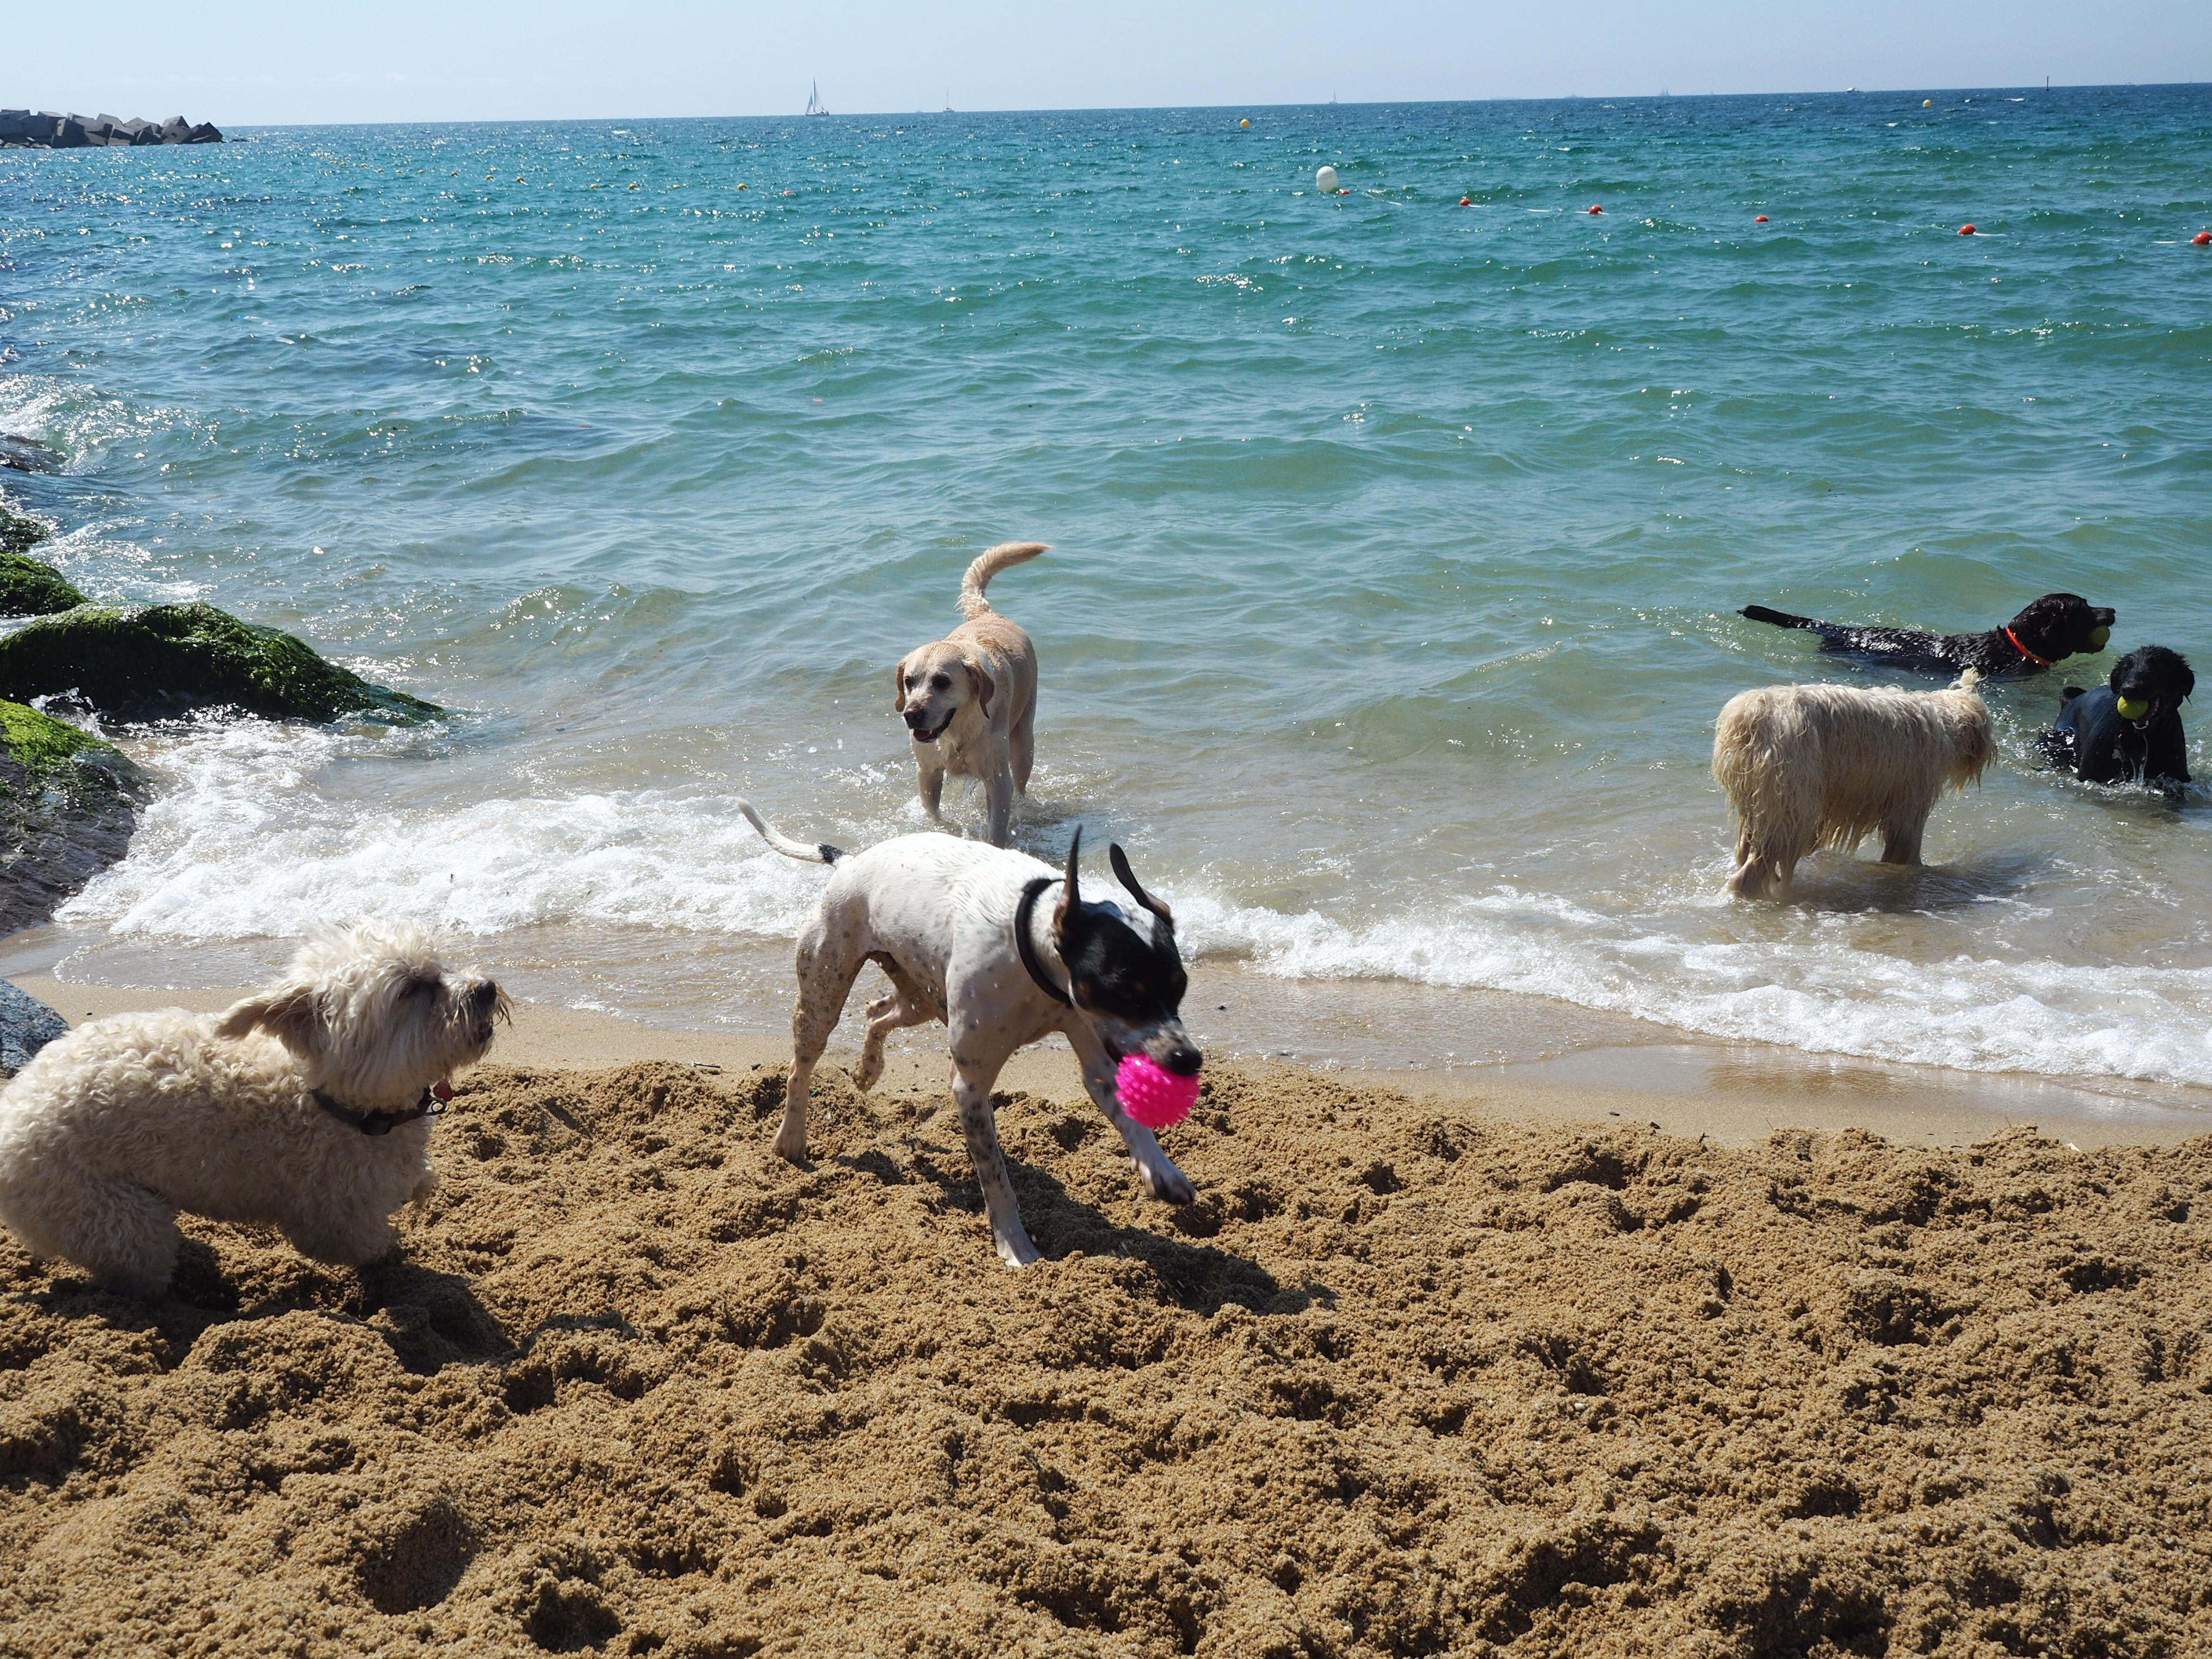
2041 662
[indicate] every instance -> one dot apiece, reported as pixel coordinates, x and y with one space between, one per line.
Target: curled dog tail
987 565
820 853
1967 680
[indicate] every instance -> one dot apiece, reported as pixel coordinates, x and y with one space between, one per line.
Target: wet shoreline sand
1557 1064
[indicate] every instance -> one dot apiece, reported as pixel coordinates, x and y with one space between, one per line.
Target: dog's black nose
483 997
1183 1060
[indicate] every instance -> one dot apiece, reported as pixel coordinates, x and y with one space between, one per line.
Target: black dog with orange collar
2052 629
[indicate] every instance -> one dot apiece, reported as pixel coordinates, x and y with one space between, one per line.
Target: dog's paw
791 1148
1167 1183
1015 1248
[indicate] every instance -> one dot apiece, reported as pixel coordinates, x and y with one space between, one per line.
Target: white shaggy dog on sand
307 1107
1824 766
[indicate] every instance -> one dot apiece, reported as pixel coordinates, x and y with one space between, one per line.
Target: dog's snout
485 997
1183 1060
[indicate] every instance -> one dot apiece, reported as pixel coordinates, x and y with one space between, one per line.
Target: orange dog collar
2041 662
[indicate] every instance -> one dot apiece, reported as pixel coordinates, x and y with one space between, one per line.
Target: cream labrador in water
969 699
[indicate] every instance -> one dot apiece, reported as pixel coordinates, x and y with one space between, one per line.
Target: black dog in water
2056 626
2129 731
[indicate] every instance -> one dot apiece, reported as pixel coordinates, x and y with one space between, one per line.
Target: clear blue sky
244 63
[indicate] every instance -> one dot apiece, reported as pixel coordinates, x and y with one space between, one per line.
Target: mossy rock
19 534
31 588
44 747
68 805
155 661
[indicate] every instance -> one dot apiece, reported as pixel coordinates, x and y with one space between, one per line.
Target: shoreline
1732 1094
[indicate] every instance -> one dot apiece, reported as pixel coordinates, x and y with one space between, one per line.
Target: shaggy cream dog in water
1808 767
307 1107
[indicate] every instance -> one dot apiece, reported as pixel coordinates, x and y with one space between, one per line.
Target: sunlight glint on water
1395 545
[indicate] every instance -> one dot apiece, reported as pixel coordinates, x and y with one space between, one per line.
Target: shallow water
1396 545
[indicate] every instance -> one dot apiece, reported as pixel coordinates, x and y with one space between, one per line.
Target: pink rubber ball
1154 1096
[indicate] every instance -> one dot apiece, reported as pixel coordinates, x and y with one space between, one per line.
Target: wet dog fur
2094 742
1808 767
970 700
2048 630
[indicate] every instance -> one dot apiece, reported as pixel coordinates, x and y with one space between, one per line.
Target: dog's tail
987 565
820 853
1779 618
1967 680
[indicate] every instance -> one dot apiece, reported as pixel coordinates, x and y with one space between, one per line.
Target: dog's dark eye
939 682
421 987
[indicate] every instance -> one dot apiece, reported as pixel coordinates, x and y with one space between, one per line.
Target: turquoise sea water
1397 545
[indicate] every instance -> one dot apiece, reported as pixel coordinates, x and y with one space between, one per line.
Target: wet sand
1563 1065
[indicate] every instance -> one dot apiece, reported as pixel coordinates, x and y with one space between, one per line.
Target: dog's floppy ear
288 1013
983 684
1121 873
1070 900
898 688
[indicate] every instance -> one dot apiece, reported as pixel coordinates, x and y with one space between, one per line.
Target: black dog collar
380 1123
1022 912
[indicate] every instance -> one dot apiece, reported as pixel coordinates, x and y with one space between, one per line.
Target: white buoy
1325 181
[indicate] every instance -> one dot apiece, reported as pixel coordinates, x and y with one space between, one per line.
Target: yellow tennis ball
2131 710
2099 636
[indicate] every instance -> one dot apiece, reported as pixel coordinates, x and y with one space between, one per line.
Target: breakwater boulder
157 661
68 805
31 588
19 534
23 129
27 1026
27 455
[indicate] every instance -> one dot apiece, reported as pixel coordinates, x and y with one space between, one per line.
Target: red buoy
1466 201
1597 209
2201 238
1965 230
1760 220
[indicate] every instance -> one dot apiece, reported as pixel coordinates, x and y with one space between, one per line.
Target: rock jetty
68 805
157 661
27 1026
23 129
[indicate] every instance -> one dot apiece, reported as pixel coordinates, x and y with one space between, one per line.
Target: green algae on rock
68 805
19 534
44 746
30 587
153 661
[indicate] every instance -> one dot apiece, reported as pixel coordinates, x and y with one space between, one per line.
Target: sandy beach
1487 1369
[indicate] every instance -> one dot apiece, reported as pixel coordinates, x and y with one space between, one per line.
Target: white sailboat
814 101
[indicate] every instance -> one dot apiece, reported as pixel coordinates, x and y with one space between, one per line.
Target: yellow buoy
1246 122
1928 103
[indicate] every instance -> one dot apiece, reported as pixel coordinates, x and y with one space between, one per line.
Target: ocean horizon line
241 127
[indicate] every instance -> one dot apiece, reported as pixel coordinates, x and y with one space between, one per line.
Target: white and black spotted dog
955 924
